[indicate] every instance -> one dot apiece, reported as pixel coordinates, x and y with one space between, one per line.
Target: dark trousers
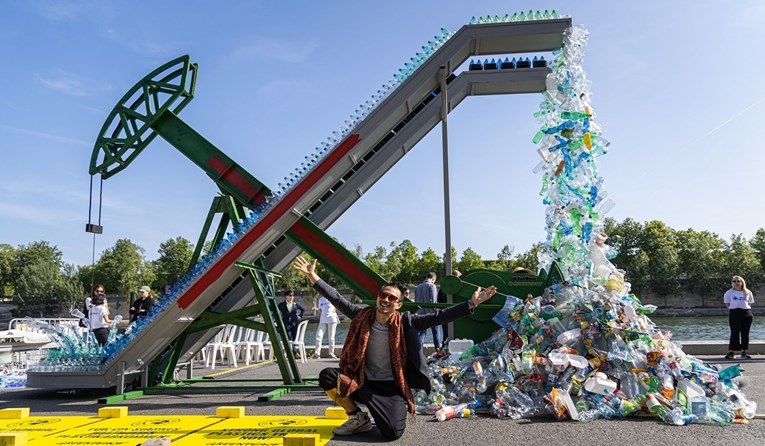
291 334
382 398
102 335
740 322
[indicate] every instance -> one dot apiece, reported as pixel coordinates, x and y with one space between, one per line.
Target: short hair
288 293
98 300
430 275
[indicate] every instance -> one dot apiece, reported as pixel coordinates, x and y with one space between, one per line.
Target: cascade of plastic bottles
586 348
570 141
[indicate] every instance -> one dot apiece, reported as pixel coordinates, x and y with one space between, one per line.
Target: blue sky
677 87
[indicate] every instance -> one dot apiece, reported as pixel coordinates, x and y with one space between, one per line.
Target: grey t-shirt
377 366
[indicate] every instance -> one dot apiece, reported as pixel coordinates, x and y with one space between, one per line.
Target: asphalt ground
220 390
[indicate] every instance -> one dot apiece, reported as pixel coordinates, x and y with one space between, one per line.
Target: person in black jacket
142 305
291 312
382 357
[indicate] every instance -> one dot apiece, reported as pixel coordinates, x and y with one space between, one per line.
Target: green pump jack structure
145 112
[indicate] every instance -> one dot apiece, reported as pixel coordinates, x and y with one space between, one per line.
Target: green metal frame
149 109
262 281
231 213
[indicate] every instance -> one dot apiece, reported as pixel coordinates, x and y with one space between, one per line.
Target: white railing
20 324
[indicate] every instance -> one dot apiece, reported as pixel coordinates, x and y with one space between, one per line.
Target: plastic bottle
719 415
630 406
629 385
603 411
745 408
449 412
674 416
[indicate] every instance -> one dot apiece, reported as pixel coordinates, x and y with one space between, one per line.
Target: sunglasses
736 281
99 291
387 296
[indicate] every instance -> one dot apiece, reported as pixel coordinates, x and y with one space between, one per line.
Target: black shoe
730 355
745 356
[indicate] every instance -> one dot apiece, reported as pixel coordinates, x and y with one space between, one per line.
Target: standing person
327 321
444 299
86 304
142 305
426 292
99 320
738 299
382 357
289 310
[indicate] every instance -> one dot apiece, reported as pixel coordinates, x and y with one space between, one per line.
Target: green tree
173 261
120 268
700 260
35 275
469 260
404 256
625 238
69 289
429 261
758 245
378 261
7 255
658 241
35 253
741 260
638 274
504 260
529 259
36 287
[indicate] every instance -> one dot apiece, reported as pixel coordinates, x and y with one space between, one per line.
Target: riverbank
699 311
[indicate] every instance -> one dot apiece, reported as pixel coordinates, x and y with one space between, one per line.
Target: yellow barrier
229 426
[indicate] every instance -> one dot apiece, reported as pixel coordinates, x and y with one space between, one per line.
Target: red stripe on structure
282 207
229 174
346 265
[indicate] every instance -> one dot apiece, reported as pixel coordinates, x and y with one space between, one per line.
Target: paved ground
482 430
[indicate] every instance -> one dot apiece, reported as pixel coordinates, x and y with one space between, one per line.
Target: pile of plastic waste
12 377
583 354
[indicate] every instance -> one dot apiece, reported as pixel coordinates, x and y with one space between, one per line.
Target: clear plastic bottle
449 412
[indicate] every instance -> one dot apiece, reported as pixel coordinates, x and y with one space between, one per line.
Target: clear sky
677 87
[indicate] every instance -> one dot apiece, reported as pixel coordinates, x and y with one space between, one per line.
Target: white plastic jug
688 391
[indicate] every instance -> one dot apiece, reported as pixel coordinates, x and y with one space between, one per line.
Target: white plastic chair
250 346
299 340
223 343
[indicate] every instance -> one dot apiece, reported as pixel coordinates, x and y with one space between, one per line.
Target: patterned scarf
353 356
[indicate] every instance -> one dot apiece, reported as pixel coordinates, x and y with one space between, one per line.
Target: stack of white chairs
222 344
250 346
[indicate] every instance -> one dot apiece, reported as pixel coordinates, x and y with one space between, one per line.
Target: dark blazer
416 371
291 318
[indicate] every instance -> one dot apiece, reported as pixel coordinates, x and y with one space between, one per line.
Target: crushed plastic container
600 384
687 392
459 346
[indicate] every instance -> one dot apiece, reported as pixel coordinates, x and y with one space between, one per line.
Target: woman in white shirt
99 320
327 321
739 302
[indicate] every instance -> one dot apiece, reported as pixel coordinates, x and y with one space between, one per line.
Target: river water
683 328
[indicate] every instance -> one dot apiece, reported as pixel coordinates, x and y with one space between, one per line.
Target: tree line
655 257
